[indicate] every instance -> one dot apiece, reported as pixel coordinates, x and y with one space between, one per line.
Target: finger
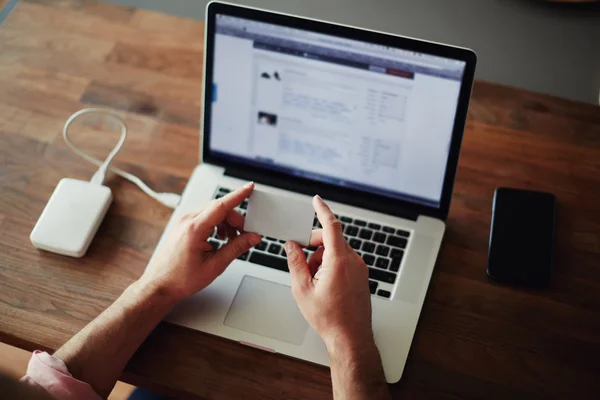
222 231
232 233
298 267
218 209
316 237
333 236
356 256
187 216
319 274
315 260
349 248
233 249
236 220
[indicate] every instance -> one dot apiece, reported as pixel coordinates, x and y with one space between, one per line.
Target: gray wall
529 44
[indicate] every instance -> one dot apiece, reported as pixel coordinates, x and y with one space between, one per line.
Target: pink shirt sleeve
51 374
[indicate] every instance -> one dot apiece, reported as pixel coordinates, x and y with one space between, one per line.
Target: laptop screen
345 112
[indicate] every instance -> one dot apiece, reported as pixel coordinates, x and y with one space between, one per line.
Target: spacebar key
269 261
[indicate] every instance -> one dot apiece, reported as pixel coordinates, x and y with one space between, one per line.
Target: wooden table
475 339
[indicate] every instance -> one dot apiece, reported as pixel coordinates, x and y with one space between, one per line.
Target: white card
279 216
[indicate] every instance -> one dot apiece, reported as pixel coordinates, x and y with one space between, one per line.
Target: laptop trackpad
267 309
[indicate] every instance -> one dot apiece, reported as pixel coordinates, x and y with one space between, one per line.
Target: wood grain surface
475 339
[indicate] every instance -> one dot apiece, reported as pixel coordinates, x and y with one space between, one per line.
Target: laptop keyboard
382 248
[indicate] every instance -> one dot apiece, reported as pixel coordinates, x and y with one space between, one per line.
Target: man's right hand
335 300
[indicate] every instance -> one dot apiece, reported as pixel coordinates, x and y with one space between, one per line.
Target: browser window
346 112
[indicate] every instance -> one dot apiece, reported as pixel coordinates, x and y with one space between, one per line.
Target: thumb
233 249
299 271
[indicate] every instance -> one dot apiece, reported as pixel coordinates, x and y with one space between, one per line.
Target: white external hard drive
71 217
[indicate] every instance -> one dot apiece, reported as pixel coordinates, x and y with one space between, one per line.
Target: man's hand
187 263
335 300
332 292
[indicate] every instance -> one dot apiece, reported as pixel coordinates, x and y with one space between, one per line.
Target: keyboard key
345 219
224 190
243 256
365 233
401 232
382 250
383 293
214 244
355 243
396 253
368 259
373 286
368 247
374 226
376 274
379 237
351 230
359 253
312 248
359 222
388 229
219 195
395 266
336 216
343 227
396 241
315 221
244 205
306 254
346 237
281 241
274 248
272 239
382 263
261 246
268 261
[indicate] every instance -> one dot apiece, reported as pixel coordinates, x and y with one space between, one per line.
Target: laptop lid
361 117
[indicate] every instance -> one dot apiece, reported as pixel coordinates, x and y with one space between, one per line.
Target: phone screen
522 236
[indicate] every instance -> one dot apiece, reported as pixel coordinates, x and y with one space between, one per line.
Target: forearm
356 370
99 352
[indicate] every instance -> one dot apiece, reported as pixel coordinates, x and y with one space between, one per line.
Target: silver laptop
370 121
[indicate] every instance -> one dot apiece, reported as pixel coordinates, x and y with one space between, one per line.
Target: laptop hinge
294 185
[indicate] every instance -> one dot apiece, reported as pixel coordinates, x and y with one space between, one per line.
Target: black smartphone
521 246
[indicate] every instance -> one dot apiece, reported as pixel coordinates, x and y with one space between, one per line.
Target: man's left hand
187 263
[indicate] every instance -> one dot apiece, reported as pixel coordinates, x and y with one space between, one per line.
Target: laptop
370 121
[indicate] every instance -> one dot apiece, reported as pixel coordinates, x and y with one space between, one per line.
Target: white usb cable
168 199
